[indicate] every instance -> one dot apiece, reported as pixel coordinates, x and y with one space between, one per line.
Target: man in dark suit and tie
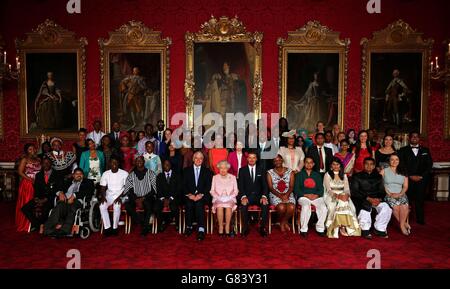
321 155
197 185
169 186
253 190
418 163
159 135
116 134
46 185
266 153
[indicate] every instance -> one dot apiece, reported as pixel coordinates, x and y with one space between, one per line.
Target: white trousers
305 215
105 215
384 213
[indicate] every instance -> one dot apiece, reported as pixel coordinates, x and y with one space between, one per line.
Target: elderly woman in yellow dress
224 191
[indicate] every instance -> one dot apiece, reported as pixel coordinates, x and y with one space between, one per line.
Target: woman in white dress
292 156
341 211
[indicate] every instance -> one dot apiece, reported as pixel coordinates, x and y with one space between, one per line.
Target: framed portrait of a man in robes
134 76
313 64
396 79
223 73
52 83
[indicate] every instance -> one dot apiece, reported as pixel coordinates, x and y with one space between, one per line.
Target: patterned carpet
428 247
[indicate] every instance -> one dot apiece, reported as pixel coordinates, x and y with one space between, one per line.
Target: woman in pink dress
29 166
224 191
237 159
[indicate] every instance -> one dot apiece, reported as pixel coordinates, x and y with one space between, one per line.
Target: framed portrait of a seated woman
312 76
396 79
223 70
51 82
135 76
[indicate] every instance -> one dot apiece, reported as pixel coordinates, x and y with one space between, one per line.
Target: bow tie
415 147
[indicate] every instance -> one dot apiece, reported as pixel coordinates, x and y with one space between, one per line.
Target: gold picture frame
2 48
315 40
134 38
50 39
224 30
398 38
447 92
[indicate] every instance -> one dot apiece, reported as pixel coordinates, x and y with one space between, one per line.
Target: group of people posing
340 177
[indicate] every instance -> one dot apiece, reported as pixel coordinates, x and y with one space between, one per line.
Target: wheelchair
87 218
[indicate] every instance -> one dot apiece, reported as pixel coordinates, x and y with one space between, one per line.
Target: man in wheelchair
62 217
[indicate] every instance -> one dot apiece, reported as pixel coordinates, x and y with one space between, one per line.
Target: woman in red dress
127 153
29 166
362 150
216 154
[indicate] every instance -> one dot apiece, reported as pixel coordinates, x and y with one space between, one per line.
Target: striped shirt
141 187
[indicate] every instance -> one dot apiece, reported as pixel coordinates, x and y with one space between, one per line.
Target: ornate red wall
272 17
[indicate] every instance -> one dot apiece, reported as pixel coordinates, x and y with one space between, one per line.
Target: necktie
197 169
168 177
160 136
46 178
252 175
321 159
117 135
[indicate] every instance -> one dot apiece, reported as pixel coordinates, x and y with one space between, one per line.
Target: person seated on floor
140 187
224 191
62 217
308 189
112 185
46 185
253 190
368 192
169 186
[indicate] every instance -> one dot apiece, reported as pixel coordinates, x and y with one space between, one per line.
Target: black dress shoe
381 234
107 232
115 232
322 234
263 232
188 232
366 234
231 235
245 232
145 231
304 234
201 236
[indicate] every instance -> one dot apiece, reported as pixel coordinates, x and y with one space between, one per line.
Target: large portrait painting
52 84
396 79
134 76
313 64
223 72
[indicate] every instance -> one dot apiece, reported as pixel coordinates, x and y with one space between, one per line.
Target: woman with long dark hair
29 166
395 180
341 211
362 150
383 154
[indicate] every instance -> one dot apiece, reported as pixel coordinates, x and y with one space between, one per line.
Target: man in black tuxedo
46 185
253 190
418 162
169 186
197 185
62 217
321 155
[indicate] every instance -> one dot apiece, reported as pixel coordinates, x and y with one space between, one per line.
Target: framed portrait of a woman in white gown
313 65
52 83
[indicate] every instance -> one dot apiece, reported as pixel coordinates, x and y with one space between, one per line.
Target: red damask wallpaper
272 17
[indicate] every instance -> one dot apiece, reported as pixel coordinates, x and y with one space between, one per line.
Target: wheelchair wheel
95 217
85 232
